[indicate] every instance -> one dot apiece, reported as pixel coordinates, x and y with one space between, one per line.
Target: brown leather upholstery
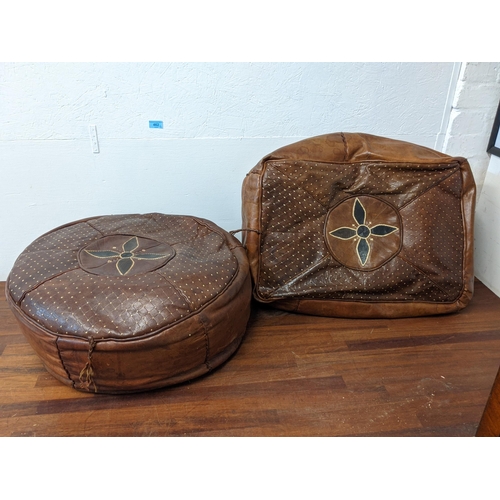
132 302
356 225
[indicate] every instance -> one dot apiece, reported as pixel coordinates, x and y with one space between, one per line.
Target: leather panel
356 220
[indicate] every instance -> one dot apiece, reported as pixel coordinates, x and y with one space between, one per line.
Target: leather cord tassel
87 372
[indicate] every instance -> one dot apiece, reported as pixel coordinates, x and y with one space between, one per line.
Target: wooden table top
294 375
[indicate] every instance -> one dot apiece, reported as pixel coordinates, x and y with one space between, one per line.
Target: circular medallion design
363 232
124 255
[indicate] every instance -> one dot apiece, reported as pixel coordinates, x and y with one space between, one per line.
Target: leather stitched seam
37 285
62 363
436 184
424 274
94 228
213 229
204 324
179 291
468 232
346 150
260 236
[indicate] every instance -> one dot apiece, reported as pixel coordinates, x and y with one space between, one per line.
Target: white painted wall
487 235
57 101
219 120
474 106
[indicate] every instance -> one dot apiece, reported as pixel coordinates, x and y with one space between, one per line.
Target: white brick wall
473 110
475 103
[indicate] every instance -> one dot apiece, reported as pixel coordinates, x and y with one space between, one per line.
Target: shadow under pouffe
128 303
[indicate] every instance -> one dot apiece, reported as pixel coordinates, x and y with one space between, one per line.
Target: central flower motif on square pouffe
128 303
363 232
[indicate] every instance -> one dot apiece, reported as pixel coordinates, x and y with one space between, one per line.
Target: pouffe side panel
226 320
223 328
45 346
177 354
354 147
251 212
129 366
365 310
468 214
207 340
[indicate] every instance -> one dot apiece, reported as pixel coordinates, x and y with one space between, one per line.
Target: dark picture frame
494 143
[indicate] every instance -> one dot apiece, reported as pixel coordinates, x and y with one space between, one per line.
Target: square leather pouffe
360 226
128 303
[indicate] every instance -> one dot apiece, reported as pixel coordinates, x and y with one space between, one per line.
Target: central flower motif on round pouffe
123 255
363 232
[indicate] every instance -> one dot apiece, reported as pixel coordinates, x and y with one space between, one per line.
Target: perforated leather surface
121 276
340 222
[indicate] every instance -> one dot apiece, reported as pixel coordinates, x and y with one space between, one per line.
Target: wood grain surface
489 426
294 375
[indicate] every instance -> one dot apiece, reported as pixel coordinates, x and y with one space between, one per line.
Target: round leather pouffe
128 303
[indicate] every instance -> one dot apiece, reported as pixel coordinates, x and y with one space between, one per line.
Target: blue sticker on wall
155 124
